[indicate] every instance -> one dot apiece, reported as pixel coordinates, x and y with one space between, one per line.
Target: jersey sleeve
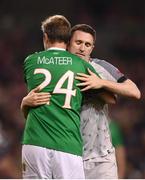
91 67
24 69
108 71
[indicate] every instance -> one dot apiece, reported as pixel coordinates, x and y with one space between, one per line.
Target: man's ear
45 41
45 37
93 47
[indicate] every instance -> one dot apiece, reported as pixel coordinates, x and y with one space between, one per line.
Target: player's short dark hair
85 28
57 28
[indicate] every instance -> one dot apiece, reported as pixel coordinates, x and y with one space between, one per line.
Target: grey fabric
101 170
94 117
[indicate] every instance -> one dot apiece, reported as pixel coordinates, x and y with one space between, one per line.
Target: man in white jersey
99 154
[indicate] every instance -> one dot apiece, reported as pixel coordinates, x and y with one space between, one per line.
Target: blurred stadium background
120 27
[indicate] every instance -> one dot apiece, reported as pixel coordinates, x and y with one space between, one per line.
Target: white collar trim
55 48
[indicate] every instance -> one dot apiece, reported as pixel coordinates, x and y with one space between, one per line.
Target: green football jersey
57 125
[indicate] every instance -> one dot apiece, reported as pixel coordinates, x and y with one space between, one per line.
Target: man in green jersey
52 144
97 160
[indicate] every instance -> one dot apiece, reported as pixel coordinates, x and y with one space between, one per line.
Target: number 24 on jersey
69 92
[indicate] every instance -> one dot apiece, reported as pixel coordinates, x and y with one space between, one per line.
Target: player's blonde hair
57 28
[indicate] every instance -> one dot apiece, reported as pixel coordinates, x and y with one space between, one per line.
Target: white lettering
55 60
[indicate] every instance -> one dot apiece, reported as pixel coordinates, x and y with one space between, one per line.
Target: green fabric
55 126
116 134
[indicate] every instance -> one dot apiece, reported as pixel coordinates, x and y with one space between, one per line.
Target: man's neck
61 45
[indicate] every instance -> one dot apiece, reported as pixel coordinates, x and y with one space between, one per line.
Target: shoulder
106 69
31 56
103 63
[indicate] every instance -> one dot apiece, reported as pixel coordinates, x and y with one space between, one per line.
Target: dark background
120 27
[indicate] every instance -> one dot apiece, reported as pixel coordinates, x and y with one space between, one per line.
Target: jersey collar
55 48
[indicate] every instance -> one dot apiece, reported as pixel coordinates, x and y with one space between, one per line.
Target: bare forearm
34 99
127 88
24 108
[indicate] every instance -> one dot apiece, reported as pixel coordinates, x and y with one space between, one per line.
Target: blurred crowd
120 40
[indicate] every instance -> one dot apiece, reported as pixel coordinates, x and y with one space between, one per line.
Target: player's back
55 126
